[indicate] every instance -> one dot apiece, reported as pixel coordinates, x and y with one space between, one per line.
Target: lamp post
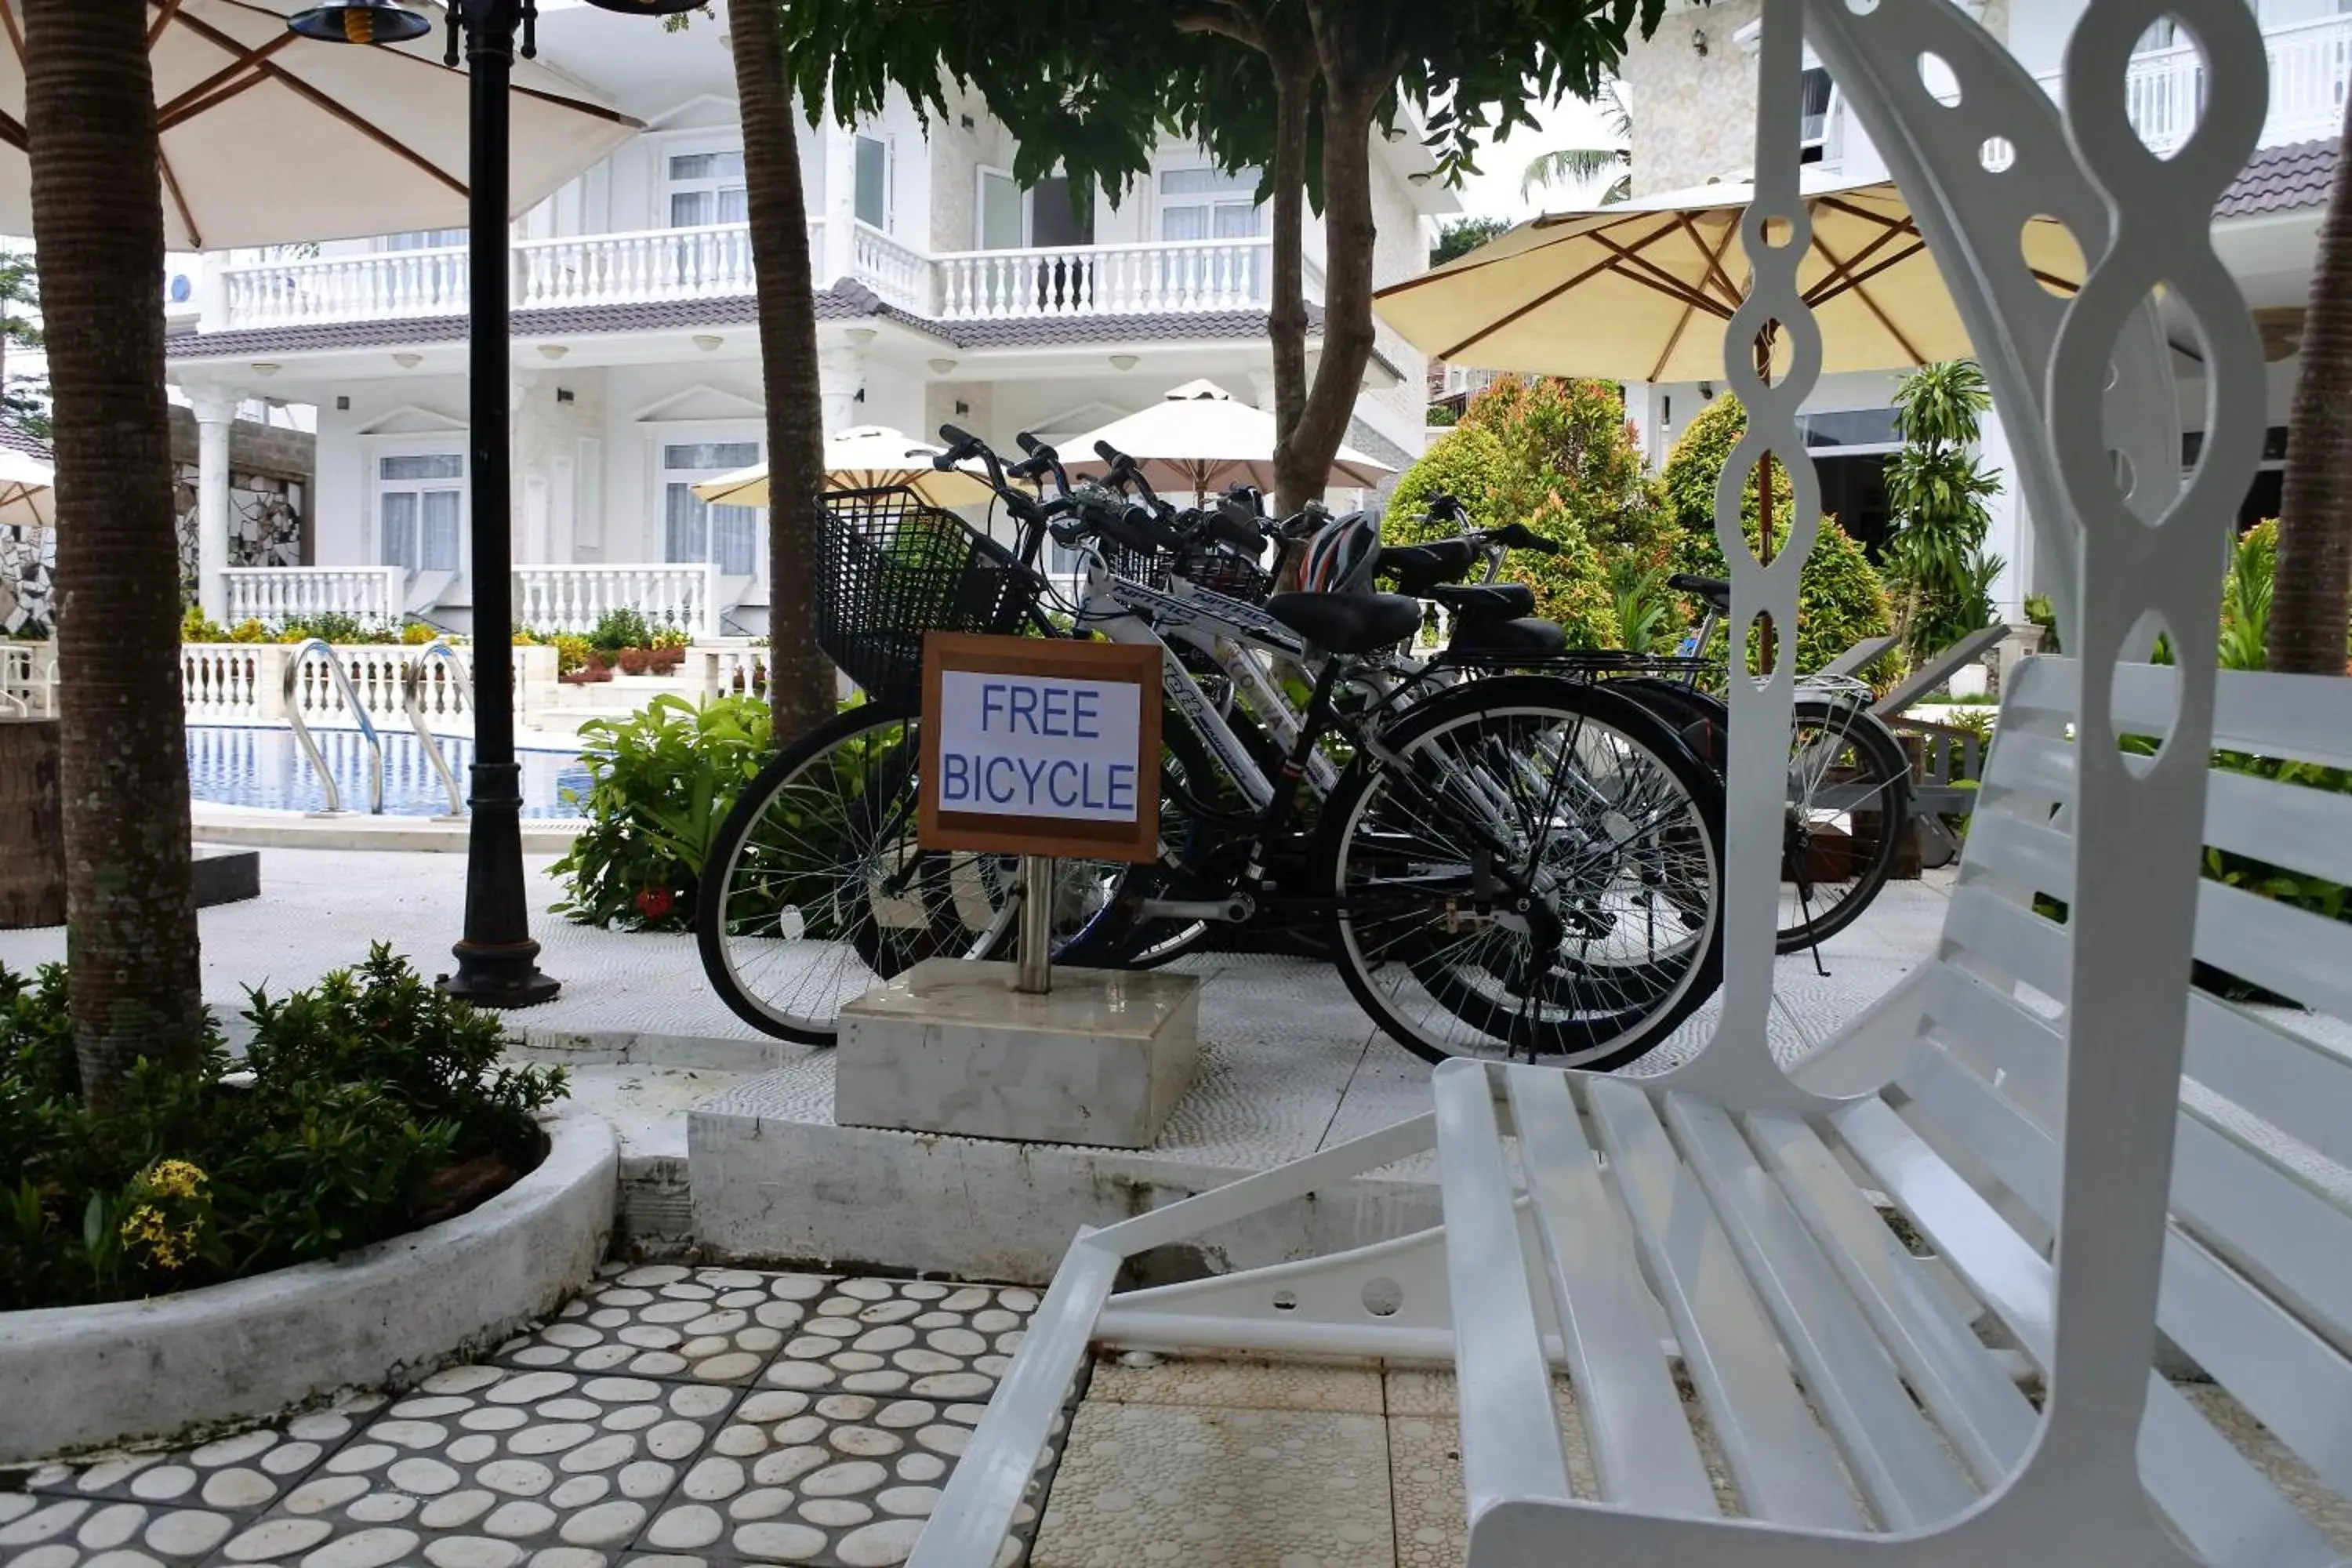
497 959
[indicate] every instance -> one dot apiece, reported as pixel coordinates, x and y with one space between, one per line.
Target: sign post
1040 748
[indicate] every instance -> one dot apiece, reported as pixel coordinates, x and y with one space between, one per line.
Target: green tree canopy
1464 235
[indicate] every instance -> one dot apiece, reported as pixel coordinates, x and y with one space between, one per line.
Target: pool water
229 765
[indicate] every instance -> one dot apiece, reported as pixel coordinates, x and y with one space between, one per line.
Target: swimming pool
231 765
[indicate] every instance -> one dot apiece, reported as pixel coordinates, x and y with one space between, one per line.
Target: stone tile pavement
669 1417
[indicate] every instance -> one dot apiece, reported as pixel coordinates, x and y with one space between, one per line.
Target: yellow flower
176 1179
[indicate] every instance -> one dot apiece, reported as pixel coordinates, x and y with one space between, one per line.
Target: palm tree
1583 165
98 225
801 679
2314 581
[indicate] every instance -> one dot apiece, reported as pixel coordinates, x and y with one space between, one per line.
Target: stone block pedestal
951 1047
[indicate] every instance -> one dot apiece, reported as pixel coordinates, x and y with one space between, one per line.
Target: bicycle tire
1500 1004
1883 802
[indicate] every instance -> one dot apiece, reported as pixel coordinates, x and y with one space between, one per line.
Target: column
840 205
840 376
216 411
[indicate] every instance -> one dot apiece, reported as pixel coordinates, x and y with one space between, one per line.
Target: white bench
1861 1399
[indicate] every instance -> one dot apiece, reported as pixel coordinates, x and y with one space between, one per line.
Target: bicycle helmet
1341 556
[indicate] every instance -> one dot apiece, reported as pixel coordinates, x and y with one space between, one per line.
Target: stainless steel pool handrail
412 699
302 726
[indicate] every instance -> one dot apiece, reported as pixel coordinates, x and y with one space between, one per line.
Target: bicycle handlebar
1519 536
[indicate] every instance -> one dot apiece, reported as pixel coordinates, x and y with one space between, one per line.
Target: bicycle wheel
1849 801
1536 875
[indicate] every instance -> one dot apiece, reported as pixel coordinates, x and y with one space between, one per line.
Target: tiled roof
2281 179
32 445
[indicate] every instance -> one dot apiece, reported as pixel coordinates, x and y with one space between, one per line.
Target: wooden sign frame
1137 664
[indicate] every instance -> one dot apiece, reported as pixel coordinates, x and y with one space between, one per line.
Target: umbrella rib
1682 322
179 200
12 132
205 94
1644 272
1546 297
15 37
1856 279
1838 267
318 100
1714 258
167 10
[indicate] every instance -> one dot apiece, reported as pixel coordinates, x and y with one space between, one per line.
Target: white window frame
661 476
456 443
888 141
666 187
1261 212
980 178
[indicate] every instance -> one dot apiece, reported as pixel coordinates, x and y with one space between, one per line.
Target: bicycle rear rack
341 678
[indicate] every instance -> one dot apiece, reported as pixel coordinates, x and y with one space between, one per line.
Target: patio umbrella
1639 292
270 139
26 499
1199 437
868 458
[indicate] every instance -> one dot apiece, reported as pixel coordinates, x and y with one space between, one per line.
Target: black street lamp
497 959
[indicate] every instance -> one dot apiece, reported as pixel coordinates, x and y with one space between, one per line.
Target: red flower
655 903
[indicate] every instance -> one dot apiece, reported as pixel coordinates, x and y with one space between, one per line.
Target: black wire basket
1223 571
895 568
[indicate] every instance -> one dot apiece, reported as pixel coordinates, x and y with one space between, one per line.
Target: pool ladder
412 696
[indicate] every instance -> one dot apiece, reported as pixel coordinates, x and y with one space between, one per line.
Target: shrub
572 653
617 629
416 633
661 783
1466 463
670 637
1937 489
635 660
375 1104
194 627
250 631
1687 482
665 656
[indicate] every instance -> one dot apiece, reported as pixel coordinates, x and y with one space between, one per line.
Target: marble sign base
951 1047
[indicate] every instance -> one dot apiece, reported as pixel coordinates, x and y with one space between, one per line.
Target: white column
840 204
840 374
215 412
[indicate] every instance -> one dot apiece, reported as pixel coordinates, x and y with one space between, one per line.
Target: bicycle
1511 866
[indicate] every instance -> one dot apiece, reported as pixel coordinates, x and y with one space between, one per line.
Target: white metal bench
1858 1396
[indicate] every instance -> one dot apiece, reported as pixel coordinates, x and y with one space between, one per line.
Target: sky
1494 191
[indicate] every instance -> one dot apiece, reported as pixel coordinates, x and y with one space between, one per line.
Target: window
874 182
420 502
424 240
706 188
1814 136
1002 219
1209 204
694 530
1851 427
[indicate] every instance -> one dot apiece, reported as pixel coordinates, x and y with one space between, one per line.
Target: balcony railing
282 596
1170 277
2311 68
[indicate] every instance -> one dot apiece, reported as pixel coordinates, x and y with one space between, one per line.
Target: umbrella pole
496 960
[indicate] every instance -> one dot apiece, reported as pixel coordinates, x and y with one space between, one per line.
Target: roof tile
2281 179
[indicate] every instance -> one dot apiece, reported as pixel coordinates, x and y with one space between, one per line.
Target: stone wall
270 472
28 567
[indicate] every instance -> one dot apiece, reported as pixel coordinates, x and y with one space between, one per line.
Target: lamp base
500 975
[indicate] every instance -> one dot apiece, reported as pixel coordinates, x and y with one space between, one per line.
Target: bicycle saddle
1716 591
1347 624
1418 568
1526 636
1485 601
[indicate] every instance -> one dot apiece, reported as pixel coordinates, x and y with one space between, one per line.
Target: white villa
947 292
1692 88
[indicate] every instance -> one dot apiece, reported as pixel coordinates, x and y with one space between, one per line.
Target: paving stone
1238 1384
712 1325
243 1473
862 1338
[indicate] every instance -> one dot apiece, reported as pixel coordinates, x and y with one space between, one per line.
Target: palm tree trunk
98 225
801 679
2312 596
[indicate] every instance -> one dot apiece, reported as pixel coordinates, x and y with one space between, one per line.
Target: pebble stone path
669 1417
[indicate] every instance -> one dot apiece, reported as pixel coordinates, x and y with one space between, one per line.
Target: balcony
1172 277
2311 67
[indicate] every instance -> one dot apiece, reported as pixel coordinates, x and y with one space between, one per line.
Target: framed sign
1039 746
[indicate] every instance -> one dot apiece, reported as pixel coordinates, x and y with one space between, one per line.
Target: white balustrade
288 294
681 597
2311 68
728 670
232 683
899 273
713 260
245 683
1105 280
29 678
279 596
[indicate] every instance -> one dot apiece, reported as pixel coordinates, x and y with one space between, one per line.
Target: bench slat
1777 1456
1978 1118
2221 1502
2001 1032
1980 1411
2030 856
2297 1085
1894 1455
2292 951
2039 766
1995 934
1510 1429
2296 1243
1643 1453
2308 830
2306 717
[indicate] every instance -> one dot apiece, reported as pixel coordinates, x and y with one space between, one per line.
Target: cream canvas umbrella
1640 291
26 497
1199 437
868 458
269 139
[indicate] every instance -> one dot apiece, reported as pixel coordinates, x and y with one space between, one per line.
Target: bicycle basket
895 568
1223 572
